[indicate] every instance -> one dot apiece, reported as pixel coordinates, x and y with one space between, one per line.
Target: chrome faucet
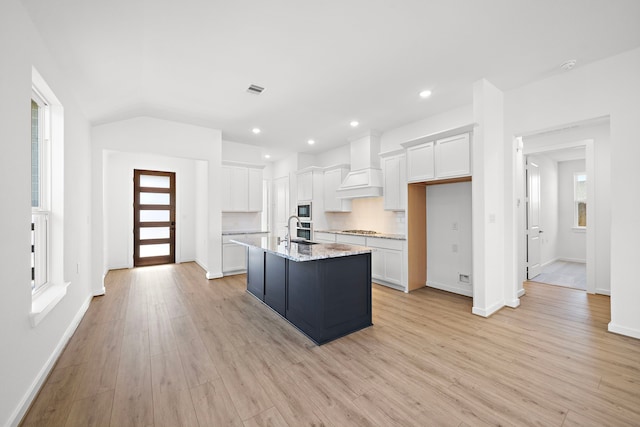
288 236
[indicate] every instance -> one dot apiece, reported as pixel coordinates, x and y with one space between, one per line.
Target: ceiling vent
255 89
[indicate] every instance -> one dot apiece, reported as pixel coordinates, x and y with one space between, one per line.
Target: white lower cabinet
234 256
322 237
386 261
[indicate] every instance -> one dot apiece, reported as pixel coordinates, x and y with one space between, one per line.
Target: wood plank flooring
166 347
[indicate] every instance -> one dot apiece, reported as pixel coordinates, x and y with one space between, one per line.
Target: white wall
336 156
449 237
243 153
605 88
118 196
163 138
202 212
572 243
391 139
28 352
548 169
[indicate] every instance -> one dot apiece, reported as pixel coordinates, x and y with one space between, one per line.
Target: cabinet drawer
351 240
324 237
377 242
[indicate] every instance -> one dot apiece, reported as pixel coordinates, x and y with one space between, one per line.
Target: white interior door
533 220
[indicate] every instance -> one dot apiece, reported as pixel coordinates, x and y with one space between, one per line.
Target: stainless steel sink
303 242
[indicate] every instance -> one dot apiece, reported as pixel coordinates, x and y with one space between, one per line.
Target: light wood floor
166 347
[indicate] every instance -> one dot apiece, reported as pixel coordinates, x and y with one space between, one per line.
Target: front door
154 217
533 220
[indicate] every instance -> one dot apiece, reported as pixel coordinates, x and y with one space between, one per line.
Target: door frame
588 144
165 259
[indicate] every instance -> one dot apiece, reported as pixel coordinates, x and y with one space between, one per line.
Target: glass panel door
154 217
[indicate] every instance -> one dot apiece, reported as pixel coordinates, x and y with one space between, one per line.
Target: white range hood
365 178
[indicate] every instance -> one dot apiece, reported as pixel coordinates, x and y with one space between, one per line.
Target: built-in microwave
305 231
304 211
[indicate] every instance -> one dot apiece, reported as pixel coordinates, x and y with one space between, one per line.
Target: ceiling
322 64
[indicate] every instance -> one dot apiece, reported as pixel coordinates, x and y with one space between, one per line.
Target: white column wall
488 201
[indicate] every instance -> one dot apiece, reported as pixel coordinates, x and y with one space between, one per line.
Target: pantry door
154 217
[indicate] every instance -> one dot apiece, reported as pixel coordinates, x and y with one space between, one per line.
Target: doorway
154 222
559 196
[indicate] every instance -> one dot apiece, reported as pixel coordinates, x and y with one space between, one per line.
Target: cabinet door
393 267
452 156
420 162
394 182
240 189
234 258
255 190
275 283
227 190
324 237
332 179
377 264
305 186
255 272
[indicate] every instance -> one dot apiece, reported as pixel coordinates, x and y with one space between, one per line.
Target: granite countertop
301 252
231 233
377 235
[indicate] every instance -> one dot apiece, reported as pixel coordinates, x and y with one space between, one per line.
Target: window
47 200
40 208
580 199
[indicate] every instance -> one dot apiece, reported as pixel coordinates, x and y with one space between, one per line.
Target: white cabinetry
333 177
305 186
351 240
453 156
241 188
322 237
420 162
444 158
234 256
386 261
395 181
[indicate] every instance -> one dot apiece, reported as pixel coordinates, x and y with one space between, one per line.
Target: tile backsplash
367 214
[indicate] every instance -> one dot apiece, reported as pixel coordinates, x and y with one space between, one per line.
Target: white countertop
299 252
233 233
377 235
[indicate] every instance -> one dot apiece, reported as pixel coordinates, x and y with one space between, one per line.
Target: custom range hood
365 177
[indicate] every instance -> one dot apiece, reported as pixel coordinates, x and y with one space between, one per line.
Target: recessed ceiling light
311 142
425 94
267 156
354 123
256 130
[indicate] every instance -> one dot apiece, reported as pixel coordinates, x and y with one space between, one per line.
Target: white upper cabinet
395 182
305 186
241 189
255 190
453 156
332 179
444 158
420 162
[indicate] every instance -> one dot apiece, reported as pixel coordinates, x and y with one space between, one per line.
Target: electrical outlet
463 278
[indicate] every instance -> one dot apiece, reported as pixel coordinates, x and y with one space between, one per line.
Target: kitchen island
324 290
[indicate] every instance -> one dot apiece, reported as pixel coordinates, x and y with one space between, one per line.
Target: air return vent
255 89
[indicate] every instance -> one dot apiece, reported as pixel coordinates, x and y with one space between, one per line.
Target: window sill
579 229
43 302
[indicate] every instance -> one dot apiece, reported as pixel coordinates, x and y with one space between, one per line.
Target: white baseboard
33 390
603 291
515 303
201 264
550 262
211 275
451 288
389 285
233 272
581 261
486 312
622 330
521 292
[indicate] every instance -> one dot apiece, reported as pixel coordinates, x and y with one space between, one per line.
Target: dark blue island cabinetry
324 290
